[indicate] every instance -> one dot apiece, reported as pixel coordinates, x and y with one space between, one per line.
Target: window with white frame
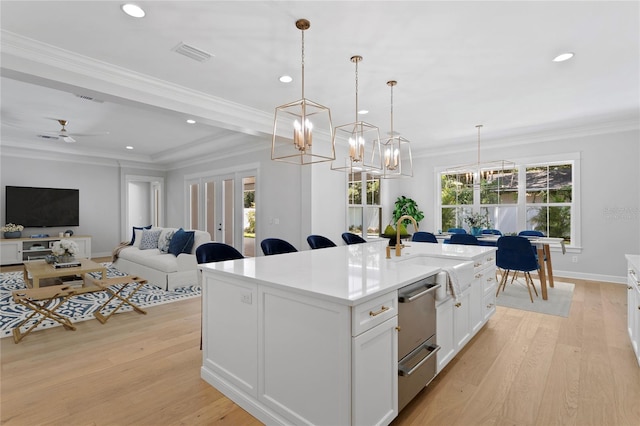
364 212
537 196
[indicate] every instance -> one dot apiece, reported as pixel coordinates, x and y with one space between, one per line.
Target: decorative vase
13 234
65 258
476 230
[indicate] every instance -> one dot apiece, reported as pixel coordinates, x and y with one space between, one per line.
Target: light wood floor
523 368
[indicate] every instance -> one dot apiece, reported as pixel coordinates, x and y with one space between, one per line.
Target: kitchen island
311 337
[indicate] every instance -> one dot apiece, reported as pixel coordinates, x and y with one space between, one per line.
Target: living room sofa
159 265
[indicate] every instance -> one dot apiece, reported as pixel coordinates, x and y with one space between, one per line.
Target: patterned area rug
81 307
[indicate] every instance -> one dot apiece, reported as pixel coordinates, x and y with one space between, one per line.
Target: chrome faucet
400 246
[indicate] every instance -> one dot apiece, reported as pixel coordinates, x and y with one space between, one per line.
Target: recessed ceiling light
133 10
286 79
190 121
129 147
563 57
363 111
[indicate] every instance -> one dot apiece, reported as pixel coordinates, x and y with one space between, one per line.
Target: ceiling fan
66 136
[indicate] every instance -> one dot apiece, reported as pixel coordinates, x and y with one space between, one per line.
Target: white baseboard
590 277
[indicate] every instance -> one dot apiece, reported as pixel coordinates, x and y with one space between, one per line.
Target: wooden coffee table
37 270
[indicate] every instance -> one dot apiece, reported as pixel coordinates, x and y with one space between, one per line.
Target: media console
17 250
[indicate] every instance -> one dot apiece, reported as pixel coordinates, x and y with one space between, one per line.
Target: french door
224 205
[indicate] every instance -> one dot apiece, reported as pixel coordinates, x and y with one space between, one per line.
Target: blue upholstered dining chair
464 239
492 232
456 231
424 237
515 254
319 241
531 233
351 238
271 246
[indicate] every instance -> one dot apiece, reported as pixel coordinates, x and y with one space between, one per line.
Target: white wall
295 201
278 193
139 203
99 187
610 182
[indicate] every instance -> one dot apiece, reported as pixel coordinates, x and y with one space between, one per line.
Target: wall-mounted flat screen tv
42 207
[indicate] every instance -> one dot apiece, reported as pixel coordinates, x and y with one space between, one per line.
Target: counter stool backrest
319 241
351 238
271 246
424 237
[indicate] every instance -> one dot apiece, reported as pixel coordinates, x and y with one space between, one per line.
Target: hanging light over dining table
302 129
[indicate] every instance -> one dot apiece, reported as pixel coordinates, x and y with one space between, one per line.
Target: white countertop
347 274
633 259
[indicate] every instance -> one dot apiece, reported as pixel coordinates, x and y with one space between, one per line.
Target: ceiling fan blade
68 139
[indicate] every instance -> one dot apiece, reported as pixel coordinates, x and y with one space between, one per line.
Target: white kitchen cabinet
633 303
462 319
18 250
10 252
444 335
294 359
458 321
375 374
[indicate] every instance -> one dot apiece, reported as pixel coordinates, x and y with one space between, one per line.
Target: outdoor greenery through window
364 204
543 202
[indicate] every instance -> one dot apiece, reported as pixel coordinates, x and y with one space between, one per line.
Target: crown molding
55 64
591 126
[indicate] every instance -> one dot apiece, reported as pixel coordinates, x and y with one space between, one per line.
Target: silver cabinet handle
402 371
404 299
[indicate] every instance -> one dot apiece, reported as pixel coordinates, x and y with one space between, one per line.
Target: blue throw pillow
181 242
139 228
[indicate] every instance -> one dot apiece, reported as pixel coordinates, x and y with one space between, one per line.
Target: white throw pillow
164 241
136 241
149 239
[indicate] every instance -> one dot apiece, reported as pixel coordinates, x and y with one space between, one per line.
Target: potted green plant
403 206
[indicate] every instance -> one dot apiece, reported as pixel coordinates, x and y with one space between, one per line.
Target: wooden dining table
542 245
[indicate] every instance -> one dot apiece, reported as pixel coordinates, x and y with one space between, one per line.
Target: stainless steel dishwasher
417 336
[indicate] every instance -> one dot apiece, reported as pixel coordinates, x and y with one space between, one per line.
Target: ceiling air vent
89 98
192 52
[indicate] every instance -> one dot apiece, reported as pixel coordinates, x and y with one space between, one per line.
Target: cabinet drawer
374 312
485 261
488 305
488 278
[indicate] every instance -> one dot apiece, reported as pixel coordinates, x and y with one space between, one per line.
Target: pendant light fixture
397 162
475 174
358 141
302 130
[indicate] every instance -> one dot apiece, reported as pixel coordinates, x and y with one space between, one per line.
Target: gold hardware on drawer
490 305
398 328
475 265
489 259
457 305
478 276
629 287
383 309
489 279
